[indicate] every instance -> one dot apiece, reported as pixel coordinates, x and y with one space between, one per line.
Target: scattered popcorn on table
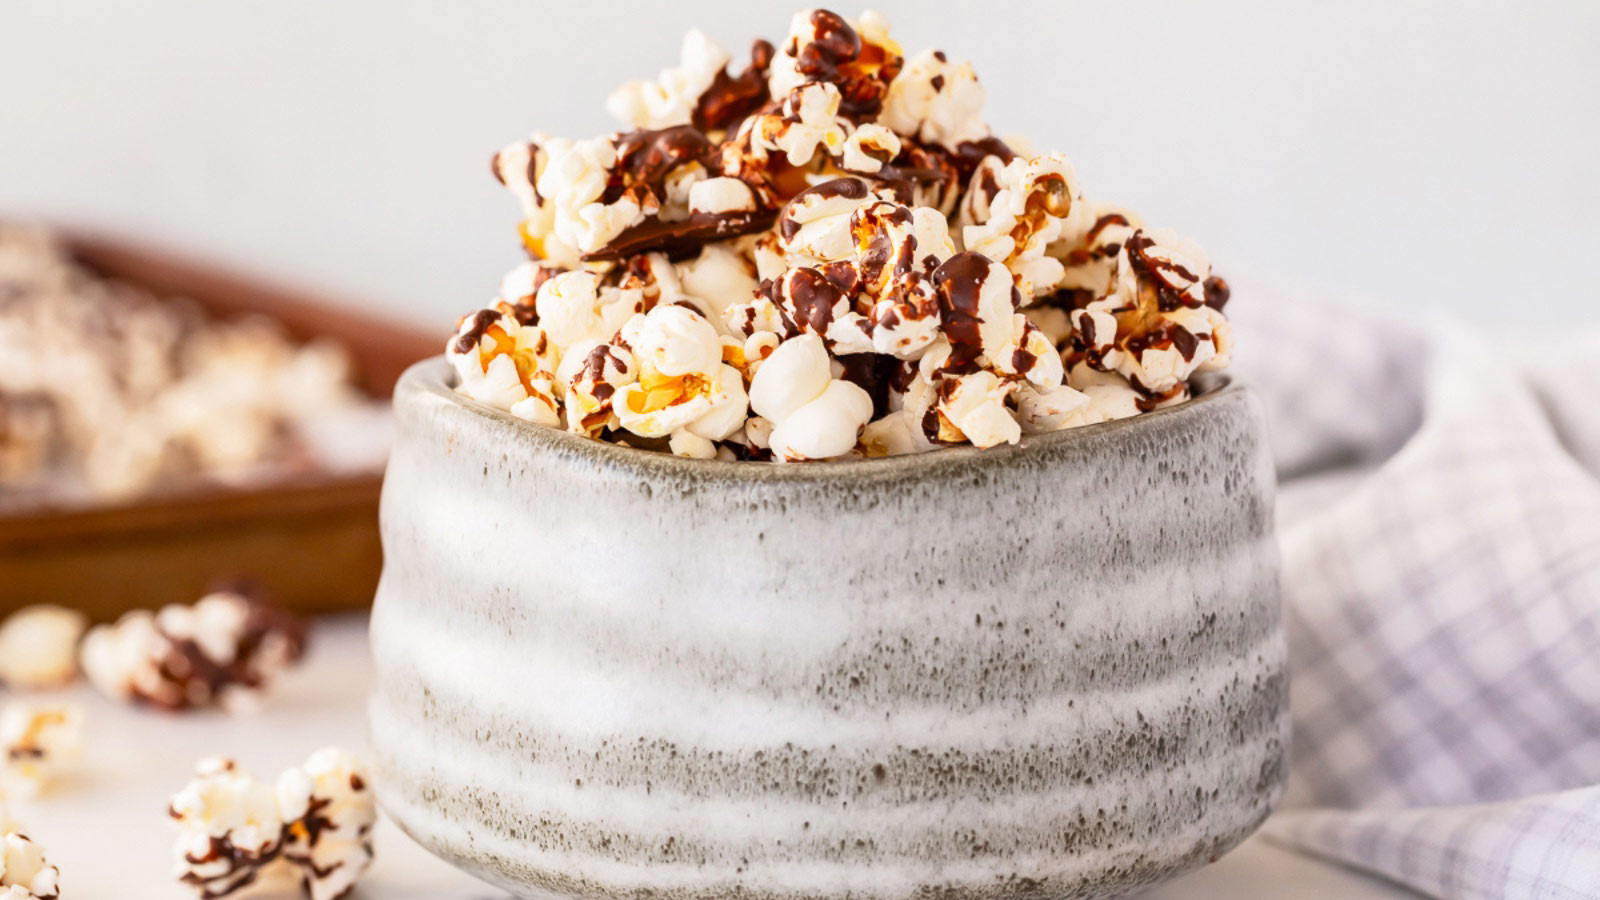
24 873
40 742
314 829
840 218
223 651
39 647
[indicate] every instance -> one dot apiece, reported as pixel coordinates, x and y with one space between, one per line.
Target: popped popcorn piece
859 62
1024 216
697 91
41 743
672 97
592 373
936 101
230 830
507 365
39 647
225 651
683 383
24 873
814 226
972 408
329 810
813 414
719 278
1160 319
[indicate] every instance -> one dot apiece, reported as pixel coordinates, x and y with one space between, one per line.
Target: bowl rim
430 379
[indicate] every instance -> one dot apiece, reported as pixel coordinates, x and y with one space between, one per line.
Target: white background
1427 155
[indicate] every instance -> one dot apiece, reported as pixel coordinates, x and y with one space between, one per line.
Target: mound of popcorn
224 650
313 827
108 393
826 253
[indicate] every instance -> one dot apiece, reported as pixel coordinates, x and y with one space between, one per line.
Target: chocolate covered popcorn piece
24 872
41 742
1157 323
859 61
223 651
1018 222
328 809
230 831
312 829
39 647
827 254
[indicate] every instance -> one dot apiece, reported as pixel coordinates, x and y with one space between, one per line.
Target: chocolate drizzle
836 54
1217 292
730 99
479 325
241 867
875 374
970 153
812 297
683 238
959 283
1154 271
847 187
647 157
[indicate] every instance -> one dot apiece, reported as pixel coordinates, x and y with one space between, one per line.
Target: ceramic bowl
1050 670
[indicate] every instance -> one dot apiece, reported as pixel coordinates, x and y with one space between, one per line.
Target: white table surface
107 830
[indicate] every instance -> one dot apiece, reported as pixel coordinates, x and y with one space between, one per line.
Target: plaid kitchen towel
1439 517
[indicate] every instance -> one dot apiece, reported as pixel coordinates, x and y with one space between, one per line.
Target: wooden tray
312 542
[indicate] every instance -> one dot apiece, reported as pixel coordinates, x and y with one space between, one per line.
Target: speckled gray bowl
1054 670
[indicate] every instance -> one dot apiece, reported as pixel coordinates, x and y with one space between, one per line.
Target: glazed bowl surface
1051 670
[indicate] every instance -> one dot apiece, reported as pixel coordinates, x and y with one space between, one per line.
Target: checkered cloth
1439 518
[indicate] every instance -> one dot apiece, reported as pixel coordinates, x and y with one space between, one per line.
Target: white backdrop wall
1429 155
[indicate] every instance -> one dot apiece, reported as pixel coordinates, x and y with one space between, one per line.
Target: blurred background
1426 155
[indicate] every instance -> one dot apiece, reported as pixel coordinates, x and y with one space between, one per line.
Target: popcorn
24 873
1023 217
39 647
507 365
1158 322
28 433
329 810
41 743
225 651
936 102
230 829
699 91
671 99
236 832
107 393
715 196
682 384
859 62
813 415
815 225
827 255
